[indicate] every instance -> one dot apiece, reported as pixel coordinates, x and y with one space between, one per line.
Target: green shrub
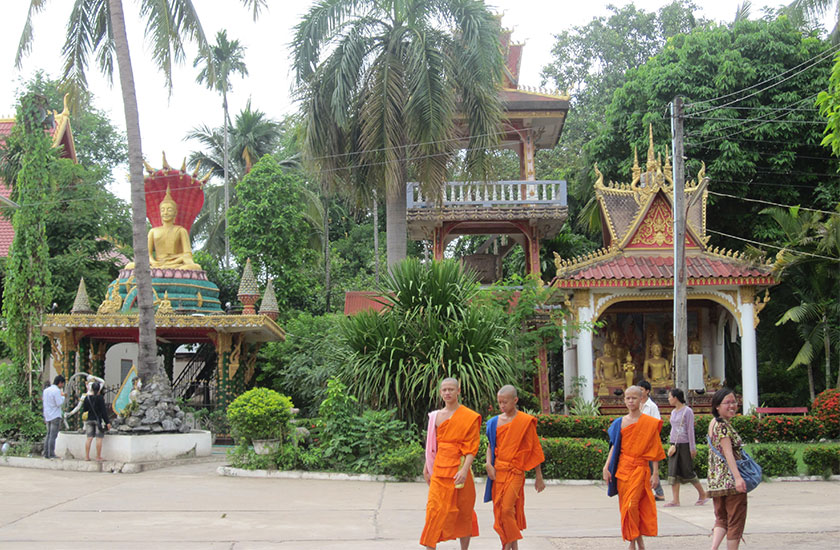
558 425
823 460
826 407
775 460
19 418
574 458
259 413
404 462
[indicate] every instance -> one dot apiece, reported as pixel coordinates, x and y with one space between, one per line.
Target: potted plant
261 417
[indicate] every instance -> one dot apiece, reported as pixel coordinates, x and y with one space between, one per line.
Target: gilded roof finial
197 167
184 165
149 167
165 164
600 181
651 159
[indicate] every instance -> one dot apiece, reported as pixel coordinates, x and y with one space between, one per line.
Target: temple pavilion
628 286
187 308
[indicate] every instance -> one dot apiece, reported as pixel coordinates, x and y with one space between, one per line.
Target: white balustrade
454 194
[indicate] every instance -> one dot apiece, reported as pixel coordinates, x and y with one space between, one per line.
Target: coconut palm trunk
227 185
147 354
396 233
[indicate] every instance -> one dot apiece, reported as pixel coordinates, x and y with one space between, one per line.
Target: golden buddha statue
629 368
607 366
695 348
657 369
169 244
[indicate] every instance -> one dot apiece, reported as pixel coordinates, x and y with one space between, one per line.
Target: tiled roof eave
762 280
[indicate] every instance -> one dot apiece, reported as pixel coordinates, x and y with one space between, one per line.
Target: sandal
702 501
670 505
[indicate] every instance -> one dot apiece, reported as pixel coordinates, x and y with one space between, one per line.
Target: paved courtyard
191 507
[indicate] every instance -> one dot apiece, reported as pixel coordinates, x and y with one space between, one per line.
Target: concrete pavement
191 507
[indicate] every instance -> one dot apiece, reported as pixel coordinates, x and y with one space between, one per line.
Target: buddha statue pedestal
187 291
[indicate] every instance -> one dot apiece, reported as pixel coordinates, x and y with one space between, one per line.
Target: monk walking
451 445
634 441
513 449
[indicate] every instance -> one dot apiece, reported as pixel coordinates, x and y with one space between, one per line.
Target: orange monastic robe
450 512
640 444
517 450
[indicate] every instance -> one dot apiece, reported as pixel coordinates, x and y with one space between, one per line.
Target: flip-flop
670 505
702 501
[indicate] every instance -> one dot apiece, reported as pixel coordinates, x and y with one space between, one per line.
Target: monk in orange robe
517 449
451 446
634 441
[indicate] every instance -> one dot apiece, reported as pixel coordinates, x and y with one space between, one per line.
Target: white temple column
570 370
749 357
584 354
717 367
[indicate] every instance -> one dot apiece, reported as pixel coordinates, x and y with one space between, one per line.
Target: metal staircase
198 376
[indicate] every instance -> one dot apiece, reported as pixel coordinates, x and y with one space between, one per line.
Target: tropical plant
220 61
810 12
97 28
430 328
381 83
814 278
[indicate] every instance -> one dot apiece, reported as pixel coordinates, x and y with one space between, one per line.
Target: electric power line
774 203
792 250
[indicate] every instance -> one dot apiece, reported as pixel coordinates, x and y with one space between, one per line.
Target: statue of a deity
657 369
607 366
169 244
619 347
694 347
629 368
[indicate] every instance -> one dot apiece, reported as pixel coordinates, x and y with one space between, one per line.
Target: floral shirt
721 480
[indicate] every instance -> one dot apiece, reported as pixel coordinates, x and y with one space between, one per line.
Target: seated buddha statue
619 348
169 244
694 347
607 366
657 369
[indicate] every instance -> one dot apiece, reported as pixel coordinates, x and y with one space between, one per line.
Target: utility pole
680 329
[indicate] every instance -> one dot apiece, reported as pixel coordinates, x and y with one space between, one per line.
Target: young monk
514 448
451 446
634 441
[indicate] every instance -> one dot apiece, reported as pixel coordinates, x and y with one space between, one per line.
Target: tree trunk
811 382
827 345
227 188
146 358
327 284
395 227
375 238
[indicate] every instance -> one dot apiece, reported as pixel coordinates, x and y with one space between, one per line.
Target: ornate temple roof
637 225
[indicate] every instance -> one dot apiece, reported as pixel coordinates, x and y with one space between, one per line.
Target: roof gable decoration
625 207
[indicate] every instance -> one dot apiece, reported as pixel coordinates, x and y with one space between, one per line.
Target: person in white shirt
651 409
53 399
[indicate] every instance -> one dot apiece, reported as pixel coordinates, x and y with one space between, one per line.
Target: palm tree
811 12
382 84
221 61
97 28
252 135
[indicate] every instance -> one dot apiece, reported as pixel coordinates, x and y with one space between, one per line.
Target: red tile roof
626 267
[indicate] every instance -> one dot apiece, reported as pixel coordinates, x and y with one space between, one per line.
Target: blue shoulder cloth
615 441
491 444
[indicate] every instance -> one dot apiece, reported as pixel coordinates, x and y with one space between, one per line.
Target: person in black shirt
97 420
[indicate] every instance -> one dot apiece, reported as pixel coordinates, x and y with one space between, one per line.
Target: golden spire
168 198
636 170
165 164
651 159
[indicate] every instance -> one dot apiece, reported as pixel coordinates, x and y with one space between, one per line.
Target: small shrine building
187 307
628 286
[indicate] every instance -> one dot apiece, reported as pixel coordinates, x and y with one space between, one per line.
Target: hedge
775 460
769 429
565 458
822 460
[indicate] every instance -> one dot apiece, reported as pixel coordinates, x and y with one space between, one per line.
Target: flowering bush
259 413
826 407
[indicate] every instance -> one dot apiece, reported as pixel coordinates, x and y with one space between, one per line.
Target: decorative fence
498 193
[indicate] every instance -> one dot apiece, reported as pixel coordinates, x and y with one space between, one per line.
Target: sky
165 119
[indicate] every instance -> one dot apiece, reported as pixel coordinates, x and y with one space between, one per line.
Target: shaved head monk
451 446
634 441
513 449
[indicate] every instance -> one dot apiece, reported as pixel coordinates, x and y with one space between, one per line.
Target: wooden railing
497 193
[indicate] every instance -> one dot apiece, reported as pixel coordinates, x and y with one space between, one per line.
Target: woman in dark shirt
97 420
